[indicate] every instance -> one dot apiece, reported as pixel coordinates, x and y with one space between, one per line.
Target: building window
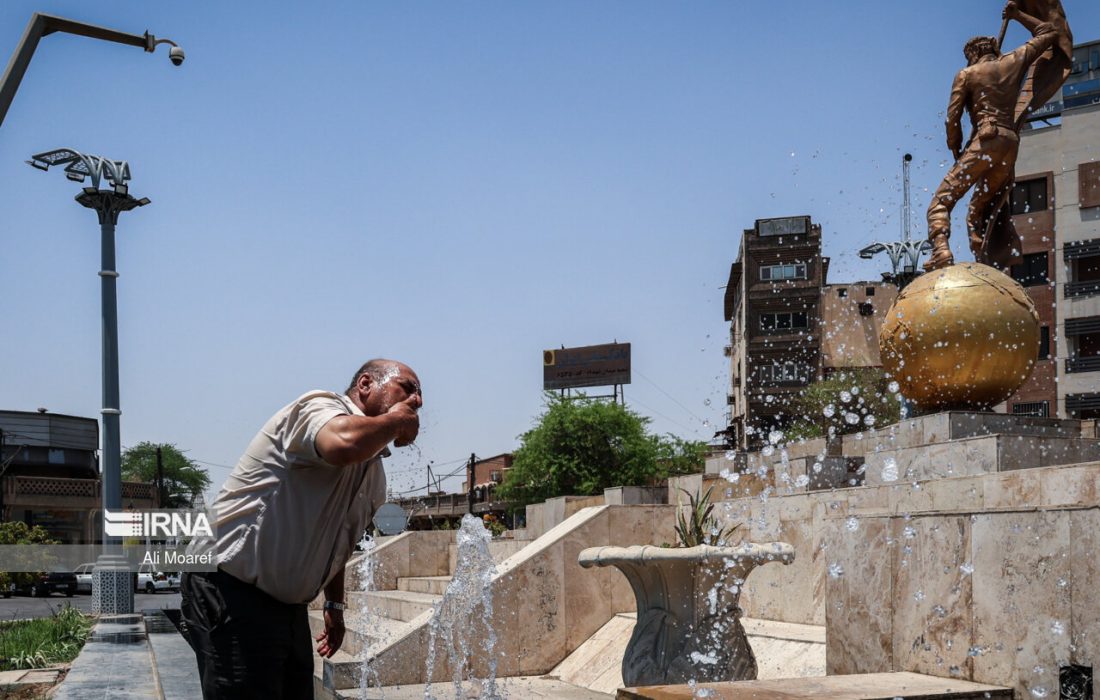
1044 343
1083 260
783 321
1088 178
1032 271
793 271
1035 409
783 373
842 293
870 291
1029 196
866 309
1083 406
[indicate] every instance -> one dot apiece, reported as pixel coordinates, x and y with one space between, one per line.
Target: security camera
175 55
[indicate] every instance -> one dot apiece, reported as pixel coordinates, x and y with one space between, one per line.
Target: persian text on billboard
593 365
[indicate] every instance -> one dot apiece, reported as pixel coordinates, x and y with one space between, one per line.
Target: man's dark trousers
248 644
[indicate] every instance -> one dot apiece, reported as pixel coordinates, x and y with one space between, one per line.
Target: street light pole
112 591
43 25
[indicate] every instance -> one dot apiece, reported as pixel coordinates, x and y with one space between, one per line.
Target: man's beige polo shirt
286 520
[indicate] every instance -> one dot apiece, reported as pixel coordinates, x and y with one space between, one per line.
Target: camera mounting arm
42 25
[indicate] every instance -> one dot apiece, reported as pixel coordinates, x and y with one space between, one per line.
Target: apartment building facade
1056 208
772 303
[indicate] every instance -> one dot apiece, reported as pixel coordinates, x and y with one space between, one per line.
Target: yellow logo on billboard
547 358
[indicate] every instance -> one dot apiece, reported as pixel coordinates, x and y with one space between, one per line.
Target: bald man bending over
287 520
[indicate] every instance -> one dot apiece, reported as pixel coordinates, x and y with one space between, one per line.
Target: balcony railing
45 487
1083 364
1082 289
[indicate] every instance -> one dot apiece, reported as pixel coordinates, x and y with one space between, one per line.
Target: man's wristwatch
333 605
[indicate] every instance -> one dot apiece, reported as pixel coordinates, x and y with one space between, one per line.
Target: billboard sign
592 365
785 226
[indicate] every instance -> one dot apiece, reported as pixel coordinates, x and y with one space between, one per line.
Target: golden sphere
964 336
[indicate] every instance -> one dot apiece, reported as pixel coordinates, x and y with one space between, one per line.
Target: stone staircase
377 618
544 604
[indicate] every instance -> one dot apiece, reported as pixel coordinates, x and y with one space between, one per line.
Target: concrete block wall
543 517
997 587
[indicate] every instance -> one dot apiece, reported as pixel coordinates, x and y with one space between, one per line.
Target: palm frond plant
698 525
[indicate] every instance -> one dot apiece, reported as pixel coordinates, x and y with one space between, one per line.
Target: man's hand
408 421
1011 11
329 641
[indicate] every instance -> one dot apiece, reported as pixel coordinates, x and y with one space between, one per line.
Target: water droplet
835 570
851 524
889 469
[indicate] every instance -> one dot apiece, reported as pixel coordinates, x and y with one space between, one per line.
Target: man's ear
364 384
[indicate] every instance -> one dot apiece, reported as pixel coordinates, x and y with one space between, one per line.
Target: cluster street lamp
43 25
112 590
904 254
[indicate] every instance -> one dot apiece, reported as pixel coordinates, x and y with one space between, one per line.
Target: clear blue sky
457 185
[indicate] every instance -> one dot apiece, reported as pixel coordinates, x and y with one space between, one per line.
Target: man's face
397 384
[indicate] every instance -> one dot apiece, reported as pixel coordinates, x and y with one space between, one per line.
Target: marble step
361 634
396 605
520 687
865 686
434 585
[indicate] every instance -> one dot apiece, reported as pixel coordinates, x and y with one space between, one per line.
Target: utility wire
639 373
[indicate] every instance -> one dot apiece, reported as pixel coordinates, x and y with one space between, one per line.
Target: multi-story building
1056 208
852 314
49 475
772 302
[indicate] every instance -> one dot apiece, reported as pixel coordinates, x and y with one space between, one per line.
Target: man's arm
1043 35
347 440
332 637
953 121
334 591
1013 11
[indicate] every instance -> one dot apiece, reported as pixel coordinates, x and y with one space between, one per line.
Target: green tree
18 532
183 479
582 446
845 402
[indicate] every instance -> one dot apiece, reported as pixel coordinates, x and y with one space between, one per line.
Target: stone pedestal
689 625
112 586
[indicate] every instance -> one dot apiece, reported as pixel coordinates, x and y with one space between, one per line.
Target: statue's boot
941 253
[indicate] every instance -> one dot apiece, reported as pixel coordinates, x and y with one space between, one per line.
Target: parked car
151 581
146 580
43 584
84 578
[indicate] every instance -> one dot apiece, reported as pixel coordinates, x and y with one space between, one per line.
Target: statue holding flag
998 91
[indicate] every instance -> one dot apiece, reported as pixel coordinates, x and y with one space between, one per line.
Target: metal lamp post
112 590
43 25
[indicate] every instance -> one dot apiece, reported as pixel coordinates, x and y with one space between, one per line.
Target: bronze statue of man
998 91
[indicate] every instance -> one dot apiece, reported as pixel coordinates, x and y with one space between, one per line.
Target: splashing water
465 614
368 618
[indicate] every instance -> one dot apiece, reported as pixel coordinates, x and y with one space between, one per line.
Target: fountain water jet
465 615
